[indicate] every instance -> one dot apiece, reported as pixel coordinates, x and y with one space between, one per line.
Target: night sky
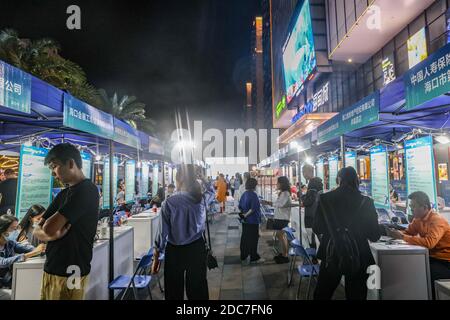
192 54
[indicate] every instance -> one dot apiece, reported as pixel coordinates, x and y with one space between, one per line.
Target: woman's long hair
186 175
25 223
285 185
315 184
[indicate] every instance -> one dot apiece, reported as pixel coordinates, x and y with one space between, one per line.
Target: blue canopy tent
45 120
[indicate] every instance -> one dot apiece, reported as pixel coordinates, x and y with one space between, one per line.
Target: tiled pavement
233 281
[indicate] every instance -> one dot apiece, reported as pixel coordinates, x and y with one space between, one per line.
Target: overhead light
443 139
399 146
98 157
28 143
350 60
308 160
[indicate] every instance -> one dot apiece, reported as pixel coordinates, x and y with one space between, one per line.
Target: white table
27 275
442 288
405 272
145 226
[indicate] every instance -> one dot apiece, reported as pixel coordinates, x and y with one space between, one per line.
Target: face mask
12 236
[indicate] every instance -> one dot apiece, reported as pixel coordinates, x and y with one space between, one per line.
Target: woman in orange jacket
221 196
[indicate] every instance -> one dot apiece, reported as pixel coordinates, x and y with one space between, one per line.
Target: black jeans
189 261
439 269
249 241
330 277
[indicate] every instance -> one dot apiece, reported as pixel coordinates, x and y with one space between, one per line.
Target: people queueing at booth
12 251
68 226
8 191
250 214
180 237
430 230
282 217
310 201
28 223
351 218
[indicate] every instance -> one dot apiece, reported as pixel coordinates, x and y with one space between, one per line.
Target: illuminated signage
321 97
417 48
388 69
280 107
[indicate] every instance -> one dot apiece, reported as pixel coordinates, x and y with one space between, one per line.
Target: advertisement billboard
417 48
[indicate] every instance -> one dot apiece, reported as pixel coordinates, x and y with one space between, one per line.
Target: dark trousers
232 192
439 269
249 241
186 263
330 277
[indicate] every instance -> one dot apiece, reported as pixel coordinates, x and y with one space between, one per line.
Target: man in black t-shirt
69 225
8 191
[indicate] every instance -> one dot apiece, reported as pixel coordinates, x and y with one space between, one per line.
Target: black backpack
342 249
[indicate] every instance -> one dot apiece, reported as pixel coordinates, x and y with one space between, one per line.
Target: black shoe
282 260
277 256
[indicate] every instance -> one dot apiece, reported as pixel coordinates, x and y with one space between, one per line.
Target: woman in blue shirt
251 215
180 236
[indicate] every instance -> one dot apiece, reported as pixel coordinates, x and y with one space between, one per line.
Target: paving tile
231 294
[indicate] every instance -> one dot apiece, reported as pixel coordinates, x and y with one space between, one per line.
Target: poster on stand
319 170
105 187
380 177
155 179
350 159
420 171
144 181
86 165
333 164
34 185
130 180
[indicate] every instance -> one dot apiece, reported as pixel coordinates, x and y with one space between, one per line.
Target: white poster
380 177
333 164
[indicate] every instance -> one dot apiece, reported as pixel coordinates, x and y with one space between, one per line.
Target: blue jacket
12 252
249 200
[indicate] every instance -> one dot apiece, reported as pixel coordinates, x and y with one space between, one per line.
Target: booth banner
333 164
35 180
81 116
380 177
155 179
105 188
15 88
319 171
429 79
126 134
420 171
355 117
130 180
155 146
87 164
350 159
144 176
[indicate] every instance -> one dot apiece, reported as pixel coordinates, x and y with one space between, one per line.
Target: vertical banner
319 170
34 182
106 177
130 180
350 160
15 88
420 175
87 165
155 179
333 163
144 181
380 177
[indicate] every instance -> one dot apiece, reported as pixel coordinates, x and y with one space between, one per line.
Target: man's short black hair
172 186
421 198
64 152
251 184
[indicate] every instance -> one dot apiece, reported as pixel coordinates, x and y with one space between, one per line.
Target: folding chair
139 280
294 253
306 269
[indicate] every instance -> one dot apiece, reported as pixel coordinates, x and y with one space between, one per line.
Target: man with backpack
346 221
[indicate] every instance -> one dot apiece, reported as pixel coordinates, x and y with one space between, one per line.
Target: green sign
144 183
87 165
81 116
333 168
15 88
420 175
130 180
280 107
35 180
429 79
355 117
126 134
350 159
105 187
380 177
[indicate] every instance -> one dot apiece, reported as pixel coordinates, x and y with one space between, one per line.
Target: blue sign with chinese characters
15 88
126 134
81 116
429 79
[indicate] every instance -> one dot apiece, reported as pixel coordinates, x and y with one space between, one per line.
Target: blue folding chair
139 280
306 269
294 253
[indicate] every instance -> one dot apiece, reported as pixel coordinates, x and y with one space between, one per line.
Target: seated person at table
429 230
158 199
12 251
28 223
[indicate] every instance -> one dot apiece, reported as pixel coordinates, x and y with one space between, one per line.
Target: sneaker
259 261
281 260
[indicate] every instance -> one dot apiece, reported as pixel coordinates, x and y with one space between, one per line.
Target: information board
380 177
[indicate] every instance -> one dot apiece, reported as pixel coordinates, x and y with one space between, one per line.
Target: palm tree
128 109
